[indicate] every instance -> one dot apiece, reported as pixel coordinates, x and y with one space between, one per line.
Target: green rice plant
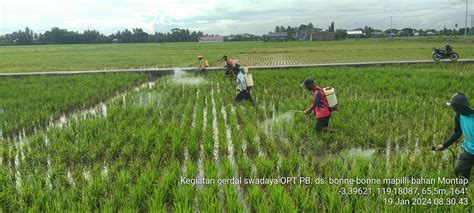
252 149
209 199
191 169
257 200
93 193
183 199
152 55
33 101
305 199
209 202
143 188
193 143
280 201
232 200
245 168
161 197
133 159
265 167
289 166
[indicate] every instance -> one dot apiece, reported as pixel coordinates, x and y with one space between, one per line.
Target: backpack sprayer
330 93
248 78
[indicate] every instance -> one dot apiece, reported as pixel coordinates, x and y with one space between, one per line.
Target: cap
199 57
458 99
237 62
307 82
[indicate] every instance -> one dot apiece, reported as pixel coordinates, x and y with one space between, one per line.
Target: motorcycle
439 54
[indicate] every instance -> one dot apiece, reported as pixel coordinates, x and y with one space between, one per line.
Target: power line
417 15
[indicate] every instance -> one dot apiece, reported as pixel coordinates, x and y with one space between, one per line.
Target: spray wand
297 111
450 150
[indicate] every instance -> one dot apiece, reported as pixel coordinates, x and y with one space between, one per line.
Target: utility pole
472 24
465 23
444 29
391 26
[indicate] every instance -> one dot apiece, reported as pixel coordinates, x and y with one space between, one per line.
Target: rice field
40 58
30 102
179 144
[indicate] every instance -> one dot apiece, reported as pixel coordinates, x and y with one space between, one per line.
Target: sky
228 17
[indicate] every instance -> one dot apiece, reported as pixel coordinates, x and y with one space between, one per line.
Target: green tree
139 35
406 32
126 36
331 27
341 34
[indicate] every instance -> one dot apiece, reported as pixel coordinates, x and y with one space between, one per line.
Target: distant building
211 39
277 36
377 34
391 34
114 40
355 32
307 34
323 36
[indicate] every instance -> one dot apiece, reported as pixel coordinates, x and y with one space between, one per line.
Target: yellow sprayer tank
331 96
248 77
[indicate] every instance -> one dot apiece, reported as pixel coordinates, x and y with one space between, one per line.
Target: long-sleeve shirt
241 83
319 105
463 125
229 64
203 64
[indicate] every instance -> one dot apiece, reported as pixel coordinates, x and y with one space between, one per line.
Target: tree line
136 35
294 32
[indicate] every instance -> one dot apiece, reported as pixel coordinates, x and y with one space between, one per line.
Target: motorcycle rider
448 48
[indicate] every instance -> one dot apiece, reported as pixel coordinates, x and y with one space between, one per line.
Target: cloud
226 17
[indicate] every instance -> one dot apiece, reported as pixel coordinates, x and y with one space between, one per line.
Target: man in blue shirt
464 125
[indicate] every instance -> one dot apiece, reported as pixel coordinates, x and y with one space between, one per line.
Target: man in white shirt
242 90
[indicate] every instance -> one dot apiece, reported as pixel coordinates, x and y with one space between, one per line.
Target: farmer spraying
230 66
464 125
203 64
243 92
319 106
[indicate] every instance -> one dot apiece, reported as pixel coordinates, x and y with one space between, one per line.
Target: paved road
167 71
